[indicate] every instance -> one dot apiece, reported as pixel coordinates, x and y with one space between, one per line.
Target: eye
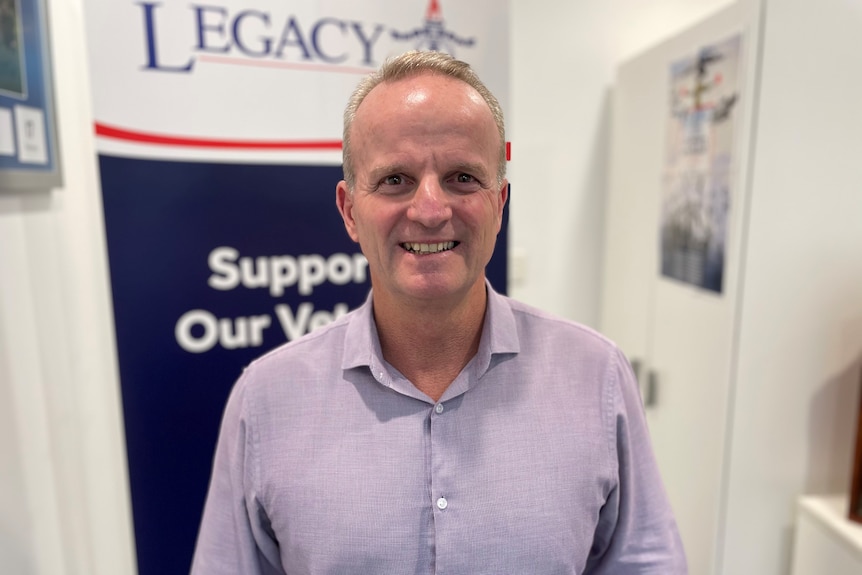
464 183
394 184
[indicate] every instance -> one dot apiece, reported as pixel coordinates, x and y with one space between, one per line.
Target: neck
430 344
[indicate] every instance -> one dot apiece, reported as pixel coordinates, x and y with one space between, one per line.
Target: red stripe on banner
106 131
508 151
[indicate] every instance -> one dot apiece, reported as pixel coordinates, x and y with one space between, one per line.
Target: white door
680 336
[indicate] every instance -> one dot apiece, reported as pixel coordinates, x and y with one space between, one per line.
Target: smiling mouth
417 248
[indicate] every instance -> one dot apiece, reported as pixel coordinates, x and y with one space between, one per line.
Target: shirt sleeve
235 536
637 533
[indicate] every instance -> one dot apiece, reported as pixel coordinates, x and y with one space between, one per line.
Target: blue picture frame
29 156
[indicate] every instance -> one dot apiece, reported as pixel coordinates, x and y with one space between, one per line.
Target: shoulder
326 340
550 330
576 358
310 359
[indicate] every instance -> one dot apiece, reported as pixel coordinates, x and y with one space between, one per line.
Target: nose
430 204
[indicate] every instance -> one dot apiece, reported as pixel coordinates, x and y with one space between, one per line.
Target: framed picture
855 511
28 133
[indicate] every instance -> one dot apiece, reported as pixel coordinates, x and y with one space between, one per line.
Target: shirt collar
499 335
361 343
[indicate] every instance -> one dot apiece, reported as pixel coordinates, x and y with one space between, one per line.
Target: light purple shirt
536 460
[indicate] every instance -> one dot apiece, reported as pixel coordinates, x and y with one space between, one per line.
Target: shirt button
442 503
438 408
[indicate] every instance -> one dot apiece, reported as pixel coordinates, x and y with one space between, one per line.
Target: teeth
417 248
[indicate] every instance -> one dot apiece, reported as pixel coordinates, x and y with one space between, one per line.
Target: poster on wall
28 132
698 173
219 140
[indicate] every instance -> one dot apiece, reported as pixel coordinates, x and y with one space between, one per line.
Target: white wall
799 366
564 55
64 504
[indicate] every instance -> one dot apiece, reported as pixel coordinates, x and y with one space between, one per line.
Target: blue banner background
163 218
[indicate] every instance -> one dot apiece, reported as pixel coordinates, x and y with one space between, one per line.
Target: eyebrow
471 168
385 170
475 168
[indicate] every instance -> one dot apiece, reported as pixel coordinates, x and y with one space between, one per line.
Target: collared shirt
535 460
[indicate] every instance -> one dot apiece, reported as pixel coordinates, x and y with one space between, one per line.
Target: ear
344 201
503 197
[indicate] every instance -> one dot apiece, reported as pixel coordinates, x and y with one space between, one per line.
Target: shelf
826 540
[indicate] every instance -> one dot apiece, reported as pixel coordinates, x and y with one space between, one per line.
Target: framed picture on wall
855 511
29 157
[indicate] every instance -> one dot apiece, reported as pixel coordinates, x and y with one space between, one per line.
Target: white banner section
263 80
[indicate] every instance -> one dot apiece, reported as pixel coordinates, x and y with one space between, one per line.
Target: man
441 427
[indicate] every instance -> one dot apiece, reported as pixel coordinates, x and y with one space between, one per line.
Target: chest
466 486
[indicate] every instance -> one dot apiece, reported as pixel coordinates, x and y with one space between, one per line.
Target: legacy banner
219 138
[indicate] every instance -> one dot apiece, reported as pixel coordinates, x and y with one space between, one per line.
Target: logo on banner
433 35
219 31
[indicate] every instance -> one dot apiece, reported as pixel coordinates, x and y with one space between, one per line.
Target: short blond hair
411 64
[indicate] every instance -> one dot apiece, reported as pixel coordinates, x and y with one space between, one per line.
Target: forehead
423 107
425 92
423 79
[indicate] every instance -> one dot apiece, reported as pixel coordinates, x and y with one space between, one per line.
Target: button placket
441 432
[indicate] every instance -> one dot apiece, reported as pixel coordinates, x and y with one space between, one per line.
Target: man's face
426 207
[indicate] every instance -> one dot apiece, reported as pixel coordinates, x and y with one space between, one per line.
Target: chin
437 288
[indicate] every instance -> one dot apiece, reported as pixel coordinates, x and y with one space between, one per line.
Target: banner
219 139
